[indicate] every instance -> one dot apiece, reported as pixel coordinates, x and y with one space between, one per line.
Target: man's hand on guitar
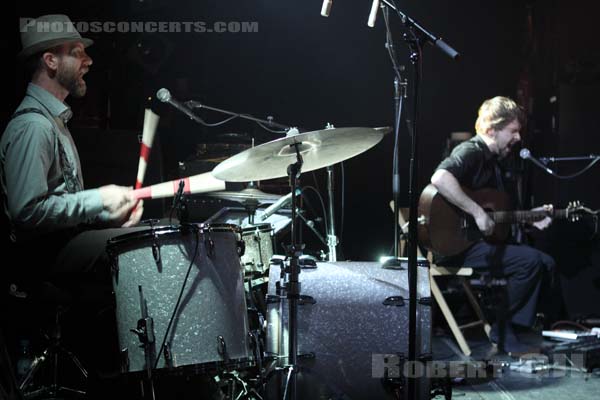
484 222
544 223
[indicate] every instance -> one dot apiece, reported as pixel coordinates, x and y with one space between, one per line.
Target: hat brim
48 44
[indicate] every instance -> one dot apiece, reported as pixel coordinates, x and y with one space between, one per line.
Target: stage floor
568 383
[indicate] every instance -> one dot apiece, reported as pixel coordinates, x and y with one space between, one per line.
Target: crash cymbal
318 149
246 195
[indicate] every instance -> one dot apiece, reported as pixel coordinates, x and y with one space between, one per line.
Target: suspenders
69 170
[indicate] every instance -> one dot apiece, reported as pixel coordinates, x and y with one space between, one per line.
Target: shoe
511 344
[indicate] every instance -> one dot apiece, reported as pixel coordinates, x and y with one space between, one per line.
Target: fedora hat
47 31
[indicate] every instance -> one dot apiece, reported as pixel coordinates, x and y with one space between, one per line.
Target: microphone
525 154
273 208
326 8
373 13
165 96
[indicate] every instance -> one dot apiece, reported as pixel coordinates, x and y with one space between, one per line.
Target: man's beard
69 79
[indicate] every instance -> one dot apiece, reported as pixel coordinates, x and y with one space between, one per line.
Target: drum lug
156 253
255 343
222 347
304 299
114 266
241 247
156 249
124 356
277 260
145 330
426 301
168 356
397 301
307 356
272 299
210 247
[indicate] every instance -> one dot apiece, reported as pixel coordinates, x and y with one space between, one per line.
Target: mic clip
180 203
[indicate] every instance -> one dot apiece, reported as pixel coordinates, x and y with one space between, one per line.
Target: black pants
522 266
8 383
77 268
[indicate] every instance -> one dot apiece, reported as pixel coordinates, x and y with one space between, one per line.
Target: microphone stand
415 37
548 160
542 163
269 121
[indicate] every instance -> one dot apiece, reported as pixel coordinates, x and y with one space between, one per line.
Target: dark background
306 70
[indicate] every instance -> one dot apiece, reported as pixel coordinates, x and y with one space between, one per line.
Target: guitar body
447 230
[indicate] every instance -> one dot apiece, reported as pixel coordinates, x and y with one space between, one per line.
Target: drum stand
293 284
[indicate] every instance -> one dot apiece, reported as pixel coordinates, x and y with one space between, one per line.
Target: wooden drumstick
148 133
195 184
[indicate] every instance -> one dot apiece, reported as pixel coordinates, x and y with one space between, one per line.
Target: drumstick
148 133
195 184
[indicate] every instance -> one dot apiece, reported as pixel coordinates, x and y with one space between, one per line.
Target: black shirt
473 165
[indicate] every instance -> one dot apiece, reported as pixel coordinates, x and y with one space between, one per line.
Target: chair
462 273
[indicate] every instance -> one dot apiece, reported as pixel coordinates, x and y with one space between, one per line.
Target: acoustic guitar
447 230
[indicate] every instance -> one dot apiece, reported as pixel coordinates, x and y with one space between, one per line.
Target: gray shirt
44 189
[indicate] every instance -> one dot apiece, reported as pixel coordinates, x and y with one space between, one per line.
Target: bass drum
181 286
352 320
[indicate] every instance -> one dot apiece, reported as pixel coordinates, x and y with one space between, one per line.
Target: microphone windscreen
525 153
163 95
326 8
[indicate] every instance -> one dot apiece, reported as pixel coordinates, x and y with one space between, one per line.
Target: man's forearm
449 187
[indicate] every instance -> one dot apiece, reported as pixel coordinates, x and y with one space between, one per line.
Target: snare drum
188 278
259 249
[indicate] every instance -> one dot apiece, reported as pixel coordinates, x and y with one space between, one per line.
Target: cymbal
246 195
318 149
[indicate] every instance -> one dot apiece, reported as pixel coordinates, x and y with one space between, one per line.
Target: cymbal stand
251 205
293 283
332 240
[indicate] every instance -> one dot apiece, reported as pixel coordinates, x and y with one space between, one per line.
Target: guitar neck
510 217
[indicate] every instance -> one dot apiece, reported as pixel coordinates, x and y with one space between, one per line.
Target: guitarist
473 164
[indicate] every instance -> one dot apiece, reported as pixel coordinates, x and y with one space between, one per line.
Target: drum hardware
235 385
311 226
396 301
210 246
145 334
180 204
168 356
222 347
156 252
307 261
256 239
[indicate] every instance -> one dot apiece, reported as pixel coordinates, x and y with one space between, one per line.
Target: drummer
53 221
